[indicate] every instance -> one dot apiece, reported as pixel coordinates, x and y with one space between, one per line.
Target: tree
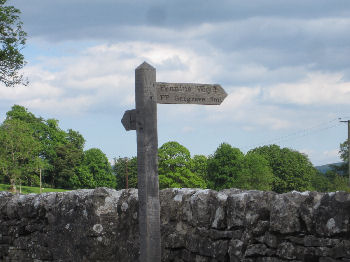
255 173
229 168
94 171
340 183
335 181
292 169
174 167
82 178
125 167
53 140
338 175
98 165
224 167
19 151
12 40
68 159
57 152
21 113
46 132
61 151
67 156
200 166
344 151
172 156
321 182
342 169
76 139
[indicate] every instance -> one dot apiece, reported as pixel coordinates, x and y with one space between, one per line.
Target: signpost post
143 119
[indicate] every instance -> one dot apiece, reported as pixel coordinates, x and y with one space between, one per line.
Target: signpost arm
147 163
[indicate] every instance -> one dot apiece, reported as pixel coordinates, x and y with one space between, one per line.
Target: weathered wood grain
147 163
129 120
189 93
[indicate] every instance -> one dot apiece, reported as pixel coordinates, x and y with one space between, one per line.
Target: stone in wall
196 225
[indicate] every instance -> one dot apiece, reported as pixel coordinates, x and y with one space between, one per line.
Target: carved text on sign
188 93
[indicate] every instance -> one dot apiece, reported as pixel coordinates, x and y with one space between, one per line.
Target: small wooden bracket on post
129 120
143 119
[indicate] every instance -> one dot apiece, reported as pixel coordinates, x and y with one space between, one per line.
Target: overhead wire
298 134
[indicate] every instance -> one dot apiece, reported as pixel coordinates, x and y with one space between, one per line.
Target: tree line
31 146
270 168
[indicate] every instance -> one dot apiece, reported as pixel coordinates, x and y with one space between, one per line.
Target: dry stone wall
196 225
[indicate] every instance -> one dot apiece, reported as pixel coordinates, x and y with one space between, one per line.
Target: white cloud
187 129
100 76
245 106
334 153
307 151
62 105
322 157
40 89
240 97
316 89
285 105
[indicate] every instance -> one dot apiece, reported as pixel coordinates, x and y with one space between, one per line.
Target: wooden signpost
143 119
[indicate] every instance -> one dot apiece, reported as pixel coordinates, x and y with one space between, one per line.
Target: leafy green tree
67 155
320 182
61 151
100 168
76 139
336 181
12 40
53 140
230 168
340 183
37 125
57 152
292 169
255 173
68 159
200 166
181 178
224 167
339 174
41 132
344 151
174 167
21 113
342 169
125 168
31 173
82 178
172 156
19 151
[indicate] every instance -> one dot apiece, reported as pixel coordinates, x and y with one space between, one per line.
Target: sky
284 64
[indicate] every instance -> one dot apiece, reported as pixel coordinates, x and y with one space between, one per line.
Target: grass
28 189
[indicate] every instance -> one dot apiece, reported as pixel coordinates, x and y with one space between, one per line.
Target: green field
28 189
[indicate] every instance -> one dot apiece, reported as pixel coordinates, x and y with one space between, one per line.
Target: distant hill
324 168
